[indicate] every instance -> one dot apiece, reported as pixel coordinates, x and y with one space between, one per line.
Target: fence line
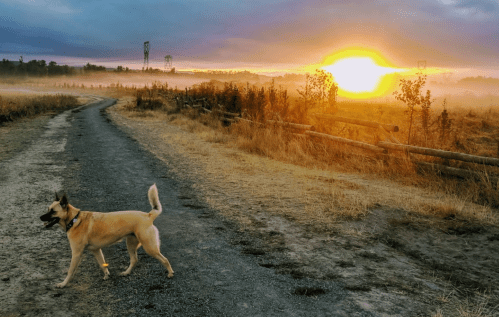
463 173
440 153
359 144
380 148
296 126
387 127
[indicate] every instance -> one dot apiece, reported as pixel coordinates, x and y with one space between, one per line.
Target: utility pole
168 63
146 55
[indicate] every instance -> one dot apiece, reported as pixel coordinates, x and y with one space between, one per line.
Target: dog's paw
106 277
60 285
170 275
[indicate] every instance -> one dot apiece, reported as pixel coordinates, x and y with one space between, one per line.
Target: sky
267 34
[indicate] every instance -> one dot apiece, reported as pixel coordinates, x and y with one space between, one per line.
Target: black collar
72 222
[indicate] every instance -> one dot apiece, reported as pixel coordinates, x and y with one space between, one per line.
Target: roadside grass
463 200
478 305
16 106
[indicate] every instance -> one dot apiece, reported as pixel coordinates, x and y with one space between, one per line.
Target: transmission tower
146 55
168 63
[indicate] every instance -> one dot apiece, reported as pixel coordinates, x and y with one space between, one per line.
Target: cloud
485 6
14 48
38 9
445 32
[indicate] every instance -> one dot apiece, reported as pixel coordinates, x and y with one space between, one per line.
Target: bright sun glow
360 73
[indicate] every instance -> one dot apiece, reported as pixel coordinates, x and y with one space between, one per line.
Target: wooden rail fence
382 147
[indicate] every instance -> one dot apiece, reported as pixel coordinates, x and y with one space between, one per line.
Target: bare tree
411 95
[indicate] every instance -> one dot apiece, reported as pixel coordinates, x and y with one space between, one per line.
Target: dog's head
57 210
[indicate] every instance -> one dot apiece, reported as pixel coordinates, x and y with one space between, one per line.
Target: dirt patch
393 261
14 136
32 259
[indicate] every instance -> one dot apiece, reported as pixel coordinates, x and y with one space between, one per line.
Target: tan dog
97 230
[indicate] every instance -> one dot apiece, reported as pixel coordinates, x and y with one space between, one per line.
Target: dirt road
265 266
100 168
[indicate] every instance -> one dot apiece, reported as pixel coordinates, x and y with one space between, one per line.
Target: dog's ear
56 197
64 202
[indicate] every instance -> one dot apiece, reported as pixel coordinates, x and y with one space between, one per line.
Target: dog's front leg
76 253
102 263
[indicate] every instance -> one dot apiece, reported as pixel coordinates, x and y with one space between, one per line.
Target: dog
96 230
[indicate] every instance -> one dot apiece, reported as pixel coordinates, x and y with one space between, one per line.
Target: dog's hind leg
102 263
163 261
150 242
132 244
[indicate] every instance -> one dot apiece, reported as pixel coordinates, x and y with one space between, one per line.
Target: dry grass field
369 223
473 128
15 105
278 144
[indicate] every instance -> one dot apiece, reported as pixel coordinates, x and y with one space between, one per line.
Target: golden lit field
348 200
267 179
96 81
474 123
15 105
473 129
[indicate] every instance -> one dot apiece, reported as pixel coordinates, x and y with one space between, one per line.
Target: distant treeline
34 68
41 69
480 80
93 68
245 76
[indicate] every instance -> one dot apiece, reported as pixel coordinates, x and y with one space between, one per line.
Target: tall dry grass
474 200
277 143
15 107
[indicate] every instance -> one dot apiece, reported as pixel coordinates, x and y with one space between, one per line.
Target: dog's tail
154 201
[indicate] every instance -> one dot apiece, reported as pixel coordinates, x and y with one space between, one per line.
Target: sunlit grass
17 105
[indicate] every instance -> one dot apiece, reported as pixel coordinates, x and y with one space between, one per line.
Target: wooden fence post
440 153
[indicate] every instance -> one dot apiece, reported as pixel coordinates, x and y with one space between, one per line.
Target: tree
426 113
7 67
278 104
320 92
52 68
230 98
93 68
411 95
444 123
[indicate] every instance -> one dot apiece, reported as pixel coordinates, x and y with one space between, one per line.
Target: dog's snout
47 216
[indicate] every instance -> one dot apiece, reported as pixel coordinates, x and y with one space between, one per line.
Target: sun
357 74
360 73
